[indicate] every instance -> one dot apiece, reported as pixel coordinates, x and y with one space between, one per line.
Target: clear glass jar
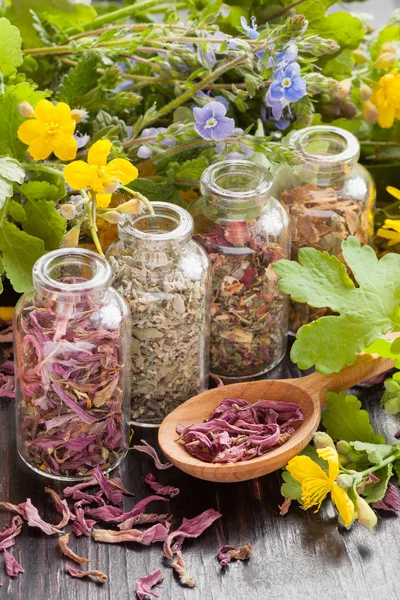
329 197
165 278
244 231
72 367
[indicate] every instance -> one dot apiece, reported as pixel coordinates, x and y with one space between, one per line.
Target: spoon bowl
309 392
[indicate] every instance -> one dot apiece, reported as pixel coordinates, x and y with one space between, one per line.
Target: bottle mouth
325 146
71 270
170 223
235 181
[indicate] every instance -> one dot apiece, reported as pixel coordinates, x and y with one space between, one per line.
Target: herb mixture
168 301
239 430
71 378
248 311
322 218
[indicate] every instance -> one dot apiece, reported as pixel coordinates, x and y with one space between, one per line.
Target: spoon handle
364 367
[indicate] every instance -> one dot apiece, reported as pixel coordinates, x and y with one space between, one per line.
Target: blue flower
207 58
287 56
288 86
252 32
211 122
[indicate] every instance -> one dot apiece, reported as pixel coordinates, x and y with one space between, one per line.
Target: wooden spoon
309 392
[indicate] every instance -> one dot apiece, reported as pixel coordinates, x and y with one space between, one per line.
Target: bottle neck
235 190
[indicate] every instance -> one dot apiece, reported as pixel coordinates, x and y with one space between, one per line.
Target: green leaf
383 348
192 169
20 252
344 419
45 222
346 30
42 190
10 171
396 466
340 66
365 312
376 452
10 47
10 119
391 33
1 272
373 492
16 211
155 190
79 80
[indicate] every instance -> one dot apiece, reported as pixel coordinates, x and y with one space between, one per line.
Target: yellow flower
51 130
386 97
100 177
392 236
316 484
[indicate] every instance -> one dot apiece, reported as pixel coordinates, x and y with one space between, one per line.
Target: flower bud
343 88
133 206
25 109
111 187
391 406
322 440
67 210
366 516
343 447
296 25
343 460
79 115
365 92
71 238
369 112
385 60
344 481
348 109
112 217
389 47
360 56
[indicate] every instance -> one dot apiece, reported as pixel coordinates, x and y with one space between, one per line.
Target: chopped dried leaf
63 542
147 449
156 533
239 430
164 490
101 577
144 585
12 566
227 553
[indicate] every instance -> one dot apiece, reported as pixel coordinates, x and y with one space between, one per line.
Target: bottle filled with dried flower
165 278
72 358
329 197
244 230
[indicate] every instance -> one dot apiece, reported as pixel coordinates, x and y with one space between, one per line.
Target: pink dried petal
117 515
143 519
144 585
17 508
284 507
7 386
164 490
227 553
31 515
69 491
390 501
101 577
178 565
113 493
118 483
61 507
63 542
12 566
70 402
81 526
147 449
156 533
9 533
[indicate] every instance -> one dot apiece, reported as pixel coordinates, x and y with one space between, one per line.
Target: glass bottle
72 367
329 197
165 277
244 230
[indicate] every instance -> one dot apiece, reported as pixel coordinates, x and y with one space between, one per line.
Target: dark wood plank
300 556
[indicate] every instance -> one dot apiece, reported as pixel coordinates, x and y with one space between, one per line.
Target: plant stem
133 26
41 168
389 459
140 197
181 148
91 209
285 10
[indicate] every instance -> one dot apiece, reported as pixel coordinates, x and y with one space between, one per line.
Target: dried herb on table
63 543
322 218
8 535
248 313
98 575
12 565
7 382
239 430
70 371
168 310
144 585
147 449
164 490
227 553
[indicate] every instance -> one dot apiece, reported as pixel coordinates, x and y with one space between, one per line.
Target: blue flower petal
296 91
215 109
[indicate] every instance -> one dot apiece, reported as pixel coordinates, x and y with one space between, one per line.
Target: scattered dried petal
390 501
9 533
147 449
284 507
12 566
61 507
112 492
63 542
156 533
101 577
143 519
117 515
69 491
164 490
144 585
31 515
227 553
82 526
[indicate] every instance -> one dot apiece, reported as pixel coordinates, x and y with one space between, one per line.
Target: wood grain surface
301 556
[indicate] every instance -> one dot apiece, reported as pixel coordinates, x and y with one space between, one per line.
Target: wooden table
299 556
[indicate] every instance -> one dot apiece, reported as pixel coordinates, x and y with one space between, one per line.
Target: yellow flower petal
39 148
65 147
302 468
121 170
331 456
29 130
45 111
392 224
343 503
103 200
386 117
314 491
78 175
393 192
62 115
99 152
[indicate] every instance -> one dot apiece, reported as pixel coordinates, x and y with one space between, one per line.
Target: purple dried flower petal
61 507
147 449
69 491
117 515
163 490
143 519
156 533
9 533
227 553
12 566
144 585
7 386
101 577
113 493
88 498
31 515
82 526
390 501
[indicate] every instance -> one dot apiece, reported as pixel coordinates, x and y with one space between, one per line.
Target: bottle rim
144 227
347 144
100 269
259 186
